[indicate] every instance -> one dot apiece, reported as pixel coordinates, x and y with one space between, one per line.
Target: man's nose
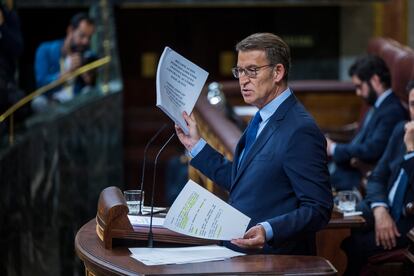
243 79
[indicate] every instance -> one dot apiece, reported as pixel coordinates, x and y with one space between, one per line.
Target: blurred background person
390 188
372 80
58 58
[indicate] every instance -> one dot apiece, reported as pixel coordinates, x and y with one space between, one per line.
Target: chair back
400 61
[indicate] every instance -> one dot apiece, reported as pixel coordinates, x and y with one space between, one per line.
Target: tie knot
257 118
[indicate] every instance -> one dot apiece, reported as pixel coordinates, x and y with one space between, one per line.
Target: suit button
230 201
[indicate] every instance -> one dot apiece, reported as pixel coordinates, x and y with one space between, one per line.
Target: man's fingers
247 243
377 238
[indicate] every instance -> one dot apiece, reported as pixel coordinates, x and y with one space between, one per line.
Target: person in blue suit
390 188
279 176
59 58
372 81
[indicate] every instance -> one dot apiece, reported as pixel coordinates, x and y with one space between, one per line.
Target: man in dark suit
372 81
279 175
390 187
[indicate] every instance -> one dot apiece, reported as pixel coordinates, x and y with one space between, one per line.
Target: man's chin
248 100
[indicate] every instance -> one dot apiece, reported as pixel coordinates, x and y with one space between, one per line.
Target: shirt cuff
409 156
198 147
268 229
332 148
378 204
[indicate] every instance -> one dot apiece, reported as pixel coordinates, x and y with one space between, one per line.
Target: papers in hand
180 255
179 83
198 213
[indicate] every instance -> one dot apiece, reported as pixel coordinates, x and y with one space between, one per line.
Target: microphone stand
143 165
150 234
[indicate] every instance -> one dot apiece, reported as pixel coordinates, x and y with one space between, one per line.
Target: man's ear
376 82
278 72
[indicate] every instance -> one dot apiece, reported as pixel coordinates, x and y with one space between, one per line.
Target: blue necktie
397 204
251 133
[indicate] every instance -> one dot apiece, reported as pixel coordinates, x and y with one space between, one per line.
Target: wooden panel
331 103
332 109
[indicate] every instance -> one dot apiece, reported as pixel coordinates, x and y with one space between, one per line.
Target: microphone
145 159
150 234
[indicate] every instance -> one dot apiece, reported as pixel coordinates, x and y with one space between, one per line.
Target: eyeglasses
250 72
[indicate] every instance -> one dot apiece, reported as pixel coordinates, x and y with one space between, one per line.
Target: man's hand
254 238
409 136
75 61
329 143
385 229
193 137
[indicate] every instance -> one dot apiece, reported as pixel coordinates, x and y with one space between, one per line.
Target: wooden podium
113 225
102 245
117 261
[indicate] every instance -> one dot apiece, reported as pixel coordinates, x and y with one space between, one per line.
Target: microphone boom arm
150 234
144 161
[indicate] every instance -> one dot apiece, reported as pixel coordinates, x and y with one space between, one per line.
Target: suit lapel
239 148
390 99
274 122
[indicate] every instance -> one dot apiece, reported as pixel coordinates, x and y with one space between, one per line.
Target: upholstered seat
399 59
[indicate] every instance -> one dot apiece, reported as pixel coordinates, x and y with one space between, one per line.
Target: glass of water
133 199
346 201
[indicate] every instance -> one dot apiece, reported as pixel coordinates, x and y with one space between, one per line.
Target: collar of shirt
381 98
268 110
409 156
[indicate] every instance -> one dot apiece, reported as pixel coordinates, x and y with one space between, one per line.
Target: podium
102 245
117 261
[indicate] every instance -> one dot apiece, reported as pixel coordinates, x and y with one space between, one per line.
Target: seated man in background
58 58
372 81
390 187
279 175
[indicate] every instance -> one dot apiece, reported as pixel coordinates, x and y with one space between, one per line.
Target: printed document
179 84
181 255
198 213
145 221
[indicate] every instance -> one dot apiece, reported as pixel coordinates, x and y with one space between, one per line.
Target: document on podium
182 255
198 213
179 83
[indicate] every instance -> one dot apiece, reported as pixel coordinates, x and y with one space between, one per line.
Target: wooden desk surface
346 222
117 261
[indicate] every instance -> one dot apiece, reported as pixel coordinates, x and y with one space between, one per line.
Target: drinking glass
133 199
346 201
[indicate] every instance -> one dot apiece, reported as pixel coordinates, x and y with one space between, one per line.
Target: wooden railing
10 112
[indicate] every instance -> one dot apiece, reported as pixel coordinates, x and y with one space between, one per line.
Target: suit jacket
283 179
388 169
369 145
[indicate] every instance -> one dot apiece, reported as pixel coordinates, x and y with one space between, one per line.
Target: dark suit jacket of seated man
372 82
389 189
281 182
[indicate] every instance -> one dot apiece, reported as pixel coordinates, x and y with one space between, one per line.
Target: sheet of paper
147 209
198 213
179 83
145 220
181 255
